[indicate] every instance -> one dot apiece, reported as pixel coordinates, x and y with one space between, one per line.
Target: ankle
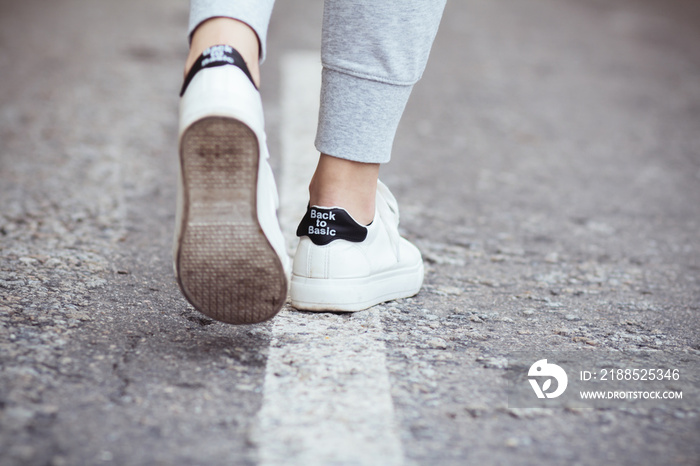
347 184
228 31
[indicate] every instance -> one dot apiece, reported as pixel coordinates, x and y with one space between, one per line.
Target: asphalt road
548 167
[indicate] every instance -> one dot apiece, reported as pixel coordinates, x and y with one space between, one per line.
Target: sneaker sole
226 267
355 294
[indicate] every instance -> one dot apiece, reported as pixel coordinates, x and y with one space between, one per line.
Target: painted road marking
327 397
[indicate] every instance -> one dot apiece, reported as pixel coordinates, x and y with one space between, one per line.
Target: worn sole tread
226 267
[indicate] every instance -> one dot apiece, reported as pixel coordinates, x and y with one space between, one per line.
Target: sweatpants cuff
359 117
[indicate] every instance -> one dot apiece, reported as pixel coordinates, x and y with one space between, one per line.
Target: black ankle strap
217 55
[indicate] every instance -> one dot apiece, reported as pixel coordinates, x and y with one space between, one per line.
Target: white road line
327 396
301 90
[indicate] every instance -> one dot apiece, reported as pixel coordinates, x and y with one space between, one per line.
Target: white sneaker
229 252
341 265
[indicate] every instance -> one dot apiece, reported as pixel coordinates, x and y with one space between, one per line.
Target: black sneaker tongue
216 55
324 225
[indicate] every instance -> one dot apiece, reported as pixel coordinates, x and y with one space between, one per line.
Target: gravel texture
548 167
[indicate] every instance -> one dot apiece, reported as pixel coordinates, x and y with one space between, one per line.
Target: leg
220 30
345 183
230 256
373 53
204 16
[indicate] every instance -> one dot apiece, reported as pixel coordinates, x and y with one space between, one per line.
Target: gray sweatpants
373 52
